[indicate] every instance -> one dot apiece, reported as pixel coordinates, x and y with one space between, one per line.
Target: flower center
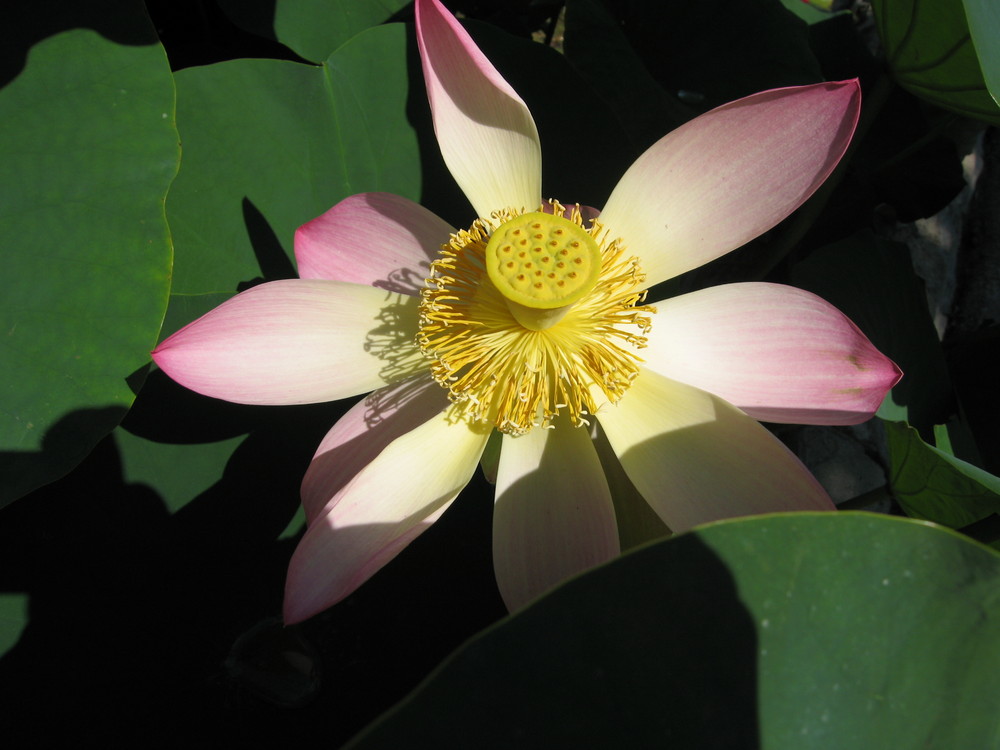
542 264
531 315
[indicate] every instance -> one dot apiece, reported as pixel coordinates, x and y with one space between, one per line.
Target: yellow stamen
515 376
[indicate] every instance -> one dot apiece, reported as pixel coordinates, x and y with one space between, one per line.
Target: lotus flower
532 324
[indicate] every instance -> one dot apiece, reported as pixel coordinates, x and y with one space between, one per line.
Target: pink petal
485 131
377 508
295 342
372 238
697 459
778 353
553 516
726 177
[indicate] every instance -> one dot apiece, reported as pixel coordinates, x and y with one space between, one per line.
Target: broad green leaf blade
984 25
932 484
814 11
226 468
269 145
312 28
179 472
13 619
88 151
783 632
931 53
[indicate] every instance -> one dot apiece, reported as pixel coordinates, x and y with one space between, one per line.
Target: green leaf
931 53
942 440
312 28
179 472
88 152
814 11
13 619
270 145
220 467
984 25
932 484
787 632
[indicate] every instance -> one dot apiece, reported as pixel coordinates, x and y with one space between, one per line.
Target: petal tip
296 609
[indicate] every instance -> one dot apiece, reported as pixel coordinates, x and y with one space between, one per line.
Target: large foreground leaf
786 632
88 151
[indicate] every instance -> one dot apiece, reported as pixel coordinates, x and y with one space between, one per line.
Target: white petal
485 131
367 429
553 516
380 510
696 458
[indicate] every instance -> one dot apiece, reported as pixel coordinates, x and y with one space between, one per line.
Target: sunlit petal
726 177
553 516
363 433
372 238
295 342
485 131
779 353
696 458
376 512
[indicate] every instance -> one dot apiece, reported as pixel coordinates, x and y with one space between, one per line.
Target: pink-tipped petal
378 239
697 459
296 342
385 505
729 175
485 131
553 516
778 353
363 433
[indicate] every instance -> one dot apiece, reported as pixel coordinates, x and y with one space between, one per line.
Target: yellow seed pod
542 261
